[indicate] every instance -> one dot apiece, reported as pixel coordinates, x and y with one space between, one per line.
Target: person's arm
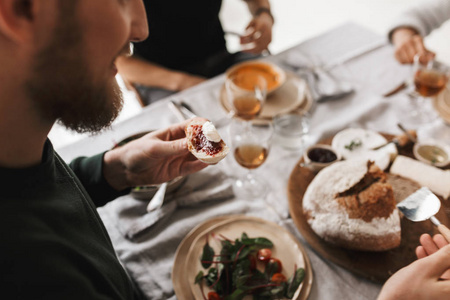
409 28
259 31
89 171
420 280
137 70
408 43
155 158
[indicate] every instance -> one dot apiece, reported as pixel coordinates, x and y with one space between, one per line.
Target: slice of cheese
435 179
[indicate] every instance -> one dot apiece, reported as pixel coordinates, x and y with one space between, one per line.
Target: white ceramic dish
317 165
433 153
352 142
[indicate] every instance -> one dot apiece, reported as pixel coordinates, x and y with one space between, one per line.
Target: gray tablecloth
349 52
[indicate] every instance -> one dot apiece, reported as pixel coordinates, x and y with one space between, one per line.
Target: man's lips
114 69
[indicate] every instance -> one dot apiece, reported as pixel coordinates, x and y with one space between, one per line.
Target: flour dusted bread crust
350 204
205 150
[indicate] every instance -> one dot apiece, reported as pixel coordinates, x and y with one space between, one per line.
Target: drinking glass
429 80
250 149
246 95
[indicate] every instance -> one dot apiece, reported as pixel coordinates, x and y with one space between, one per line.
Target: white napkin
209 184
323 85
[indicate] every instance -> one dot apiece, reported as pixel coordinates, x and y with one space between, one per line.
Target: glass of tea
246 95
250 149
430 79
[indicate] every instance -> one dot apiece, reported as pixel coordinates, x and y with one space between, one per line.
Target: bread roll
350 204
200 143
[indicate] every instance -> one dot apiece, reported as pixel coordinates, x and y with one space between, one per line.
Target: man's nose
139 26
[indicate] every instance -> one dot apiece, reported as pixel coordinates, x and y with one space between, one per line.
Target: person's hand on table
422 279
155 158
258 34
407 44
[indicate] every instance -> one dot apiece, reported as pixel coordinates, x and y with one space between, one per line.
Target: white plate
442 105
286 248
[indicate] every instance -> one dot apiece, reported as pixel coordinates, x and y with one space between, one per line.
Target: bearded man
58 64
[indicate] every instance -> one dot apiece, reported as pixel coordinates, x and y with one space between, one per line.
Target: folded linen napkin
322 83
209 184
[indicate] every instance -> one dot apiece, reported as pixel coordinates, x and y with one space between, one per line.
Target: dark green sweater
53 242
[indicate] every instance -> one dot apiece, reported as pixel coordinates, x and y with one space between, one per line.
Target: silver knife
187 110
180 111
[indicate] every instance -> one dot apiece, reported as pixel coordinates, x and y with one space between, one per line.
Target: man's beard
63 88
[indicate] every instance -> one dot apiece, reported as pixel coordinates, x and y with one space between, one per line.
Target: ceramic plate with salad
247 258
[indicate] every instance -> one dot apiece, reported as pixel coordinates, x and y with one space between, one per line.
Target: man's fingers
437 263
171 148
410 50
420 252
189 167
402 56
428 244
173 132
439 240
418 44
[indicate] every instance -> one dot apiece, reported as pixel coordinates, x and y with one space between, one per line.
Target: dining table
147 244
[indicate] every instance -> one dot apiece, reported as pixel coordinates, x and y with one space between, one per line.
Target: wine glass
250 143
429 80
246 95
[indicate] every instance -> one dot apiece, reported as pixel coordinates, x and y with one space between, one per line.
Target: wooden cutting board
375 266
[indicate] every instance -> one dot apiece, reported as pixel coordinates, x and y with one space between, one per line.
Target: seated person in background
425 279
186 45
57 62
413 25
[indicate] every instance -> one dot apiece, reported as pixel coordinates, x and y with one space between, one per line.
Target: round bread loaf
207 151
350 204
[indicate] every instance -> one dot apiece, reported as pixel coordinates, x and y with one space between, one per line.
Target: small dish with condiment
320 156
433 153
248 71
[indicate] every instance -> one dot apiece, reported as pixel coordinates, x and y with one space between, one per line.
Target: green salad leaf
234 273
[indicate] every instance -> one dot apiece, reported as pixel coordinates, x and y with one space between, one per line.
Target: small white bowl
433 153
266 69
320 156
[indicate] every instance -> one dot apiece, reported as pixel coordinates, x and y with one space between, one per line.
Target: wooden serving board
375 266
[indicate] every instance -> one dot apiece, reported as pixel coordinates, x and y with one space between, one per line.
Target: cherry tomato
278 278
252 260
213 296
264 254
277 262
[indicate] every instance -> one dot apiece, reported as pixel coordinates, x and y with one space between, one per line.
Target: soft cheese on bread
350 204
204 142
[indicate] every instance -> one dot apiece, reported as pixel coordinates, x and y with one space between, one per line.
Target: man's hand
421 279
407 44
430 245
258 34
155 158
